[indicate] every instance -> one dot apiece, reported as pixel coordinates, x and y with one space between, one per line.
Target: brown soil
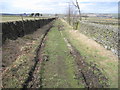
33 80
12 49
17 48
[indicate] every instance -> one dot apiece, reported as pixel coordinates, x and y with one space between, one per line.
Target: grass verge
94 53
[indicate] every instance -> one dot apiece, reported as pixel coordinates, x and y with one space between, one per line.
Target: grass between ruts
59 71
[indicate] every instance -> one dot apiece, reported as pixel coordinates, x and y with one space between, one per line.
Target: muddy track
91 76
33 78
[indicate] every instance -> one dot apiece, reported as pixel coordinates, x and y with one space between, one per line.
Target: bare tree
25 14
76 4
68 16
56 15
21 16
32 14
85 16
41 14
70 13
73 9
37 14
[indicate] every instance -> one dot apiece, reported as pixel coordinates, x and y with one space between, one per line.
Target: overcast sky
57 6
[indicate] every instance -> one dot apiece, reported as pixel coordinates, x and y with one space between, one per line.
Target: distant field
17 18
102 20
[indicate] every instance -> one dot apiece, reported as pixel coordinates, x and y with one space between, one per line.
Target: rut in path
89 73
34 68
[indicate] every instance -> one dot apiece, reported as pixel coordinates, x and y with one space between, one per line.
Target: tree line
74 15
36 14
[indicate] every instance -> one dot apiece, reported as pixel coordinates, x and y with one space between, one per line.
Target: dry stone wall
103 34
13 30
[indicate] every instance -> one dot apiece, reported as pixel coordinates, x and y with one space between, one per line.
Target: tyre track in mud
91 76
33 80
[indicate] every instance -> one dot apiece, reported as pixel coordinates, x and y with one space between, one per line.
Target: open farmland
10 18
103 30
60 44
50 53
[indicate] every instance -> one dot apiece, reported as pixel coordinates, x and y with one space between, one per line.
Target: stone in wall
13 30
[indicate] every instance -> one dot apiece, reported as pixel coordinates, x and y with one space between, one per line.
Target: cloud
98 0
53 6
99 7
34 5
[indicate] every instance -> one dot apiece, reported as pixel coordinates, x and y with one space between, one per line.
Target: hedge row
13 30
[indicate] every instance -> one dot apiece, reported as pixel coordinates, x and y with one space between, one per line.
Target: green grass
109 69
59 71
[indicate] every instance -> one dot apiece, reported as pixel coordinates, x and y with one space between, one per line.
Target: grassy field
16 18
103 21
